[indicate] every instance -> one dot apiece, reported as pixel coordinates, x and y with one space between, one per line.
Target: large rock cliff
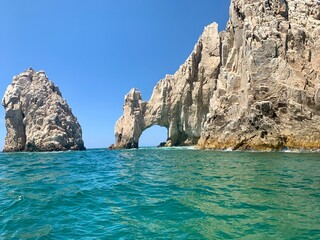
267 94
179 102
37 117
253 86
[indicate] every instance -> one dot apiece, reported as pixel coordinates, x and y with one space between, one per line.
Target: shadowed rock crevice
37 117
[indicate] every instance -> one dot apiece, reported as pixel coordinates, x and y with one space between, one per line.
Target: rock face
179 102
267 94
255 85
37 117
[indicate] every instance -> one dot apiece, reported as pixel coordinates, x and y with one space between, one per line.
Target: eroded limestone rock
269 80
37 117
253 86
179 102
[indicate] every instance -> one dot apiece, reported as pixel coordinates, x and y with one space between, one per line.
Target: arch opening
153 136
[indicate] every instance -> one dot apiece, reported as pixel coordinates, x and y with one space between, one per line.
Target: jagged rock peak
255 85
179 102
37 118
267 94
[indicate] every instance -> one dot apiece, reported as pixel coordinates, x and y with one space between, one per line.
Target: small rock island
255 85
37 118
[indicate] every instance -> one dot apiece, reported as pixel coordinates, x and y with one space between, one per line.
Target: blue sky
97 50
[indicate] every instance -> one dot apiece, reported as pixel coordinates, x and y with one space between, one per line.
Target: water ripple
159 194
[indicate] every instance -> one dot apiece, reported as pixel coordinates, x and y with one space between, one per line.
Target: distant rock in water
162 144
37 117
255 85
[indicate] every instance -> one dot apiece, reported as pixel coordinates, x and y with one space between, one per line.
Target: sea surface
163 193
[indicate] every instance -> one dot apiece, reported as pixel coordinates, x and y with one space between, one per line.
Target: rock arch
179 102
254 87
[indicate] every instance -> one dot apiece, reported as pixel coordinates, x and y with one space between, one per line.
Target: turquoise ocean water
159 194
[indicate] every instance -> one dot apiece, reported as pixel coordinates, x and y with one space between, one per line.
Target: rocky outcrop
37 117
179 102
254 86
268 87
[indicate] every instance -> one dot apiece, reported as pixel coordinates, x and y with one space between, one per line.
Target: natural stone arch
261 77
179 102
139 116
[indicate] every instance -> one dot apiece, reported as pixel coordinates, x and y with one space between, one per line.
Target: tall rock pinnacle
37 117
255 85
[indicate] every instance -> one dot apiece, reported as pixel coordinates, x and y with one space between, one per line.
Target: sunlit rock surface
37 117
253 86
179 102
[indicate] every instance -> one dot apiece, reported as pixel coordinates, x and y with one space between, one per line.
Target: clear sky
97 50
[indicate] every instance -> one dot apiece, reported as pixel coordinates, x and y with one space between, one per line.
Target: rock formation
255 85
179 102
267 94
37 117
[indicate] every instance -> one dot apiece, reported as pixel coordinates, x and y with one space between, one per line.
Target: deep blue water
159 194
